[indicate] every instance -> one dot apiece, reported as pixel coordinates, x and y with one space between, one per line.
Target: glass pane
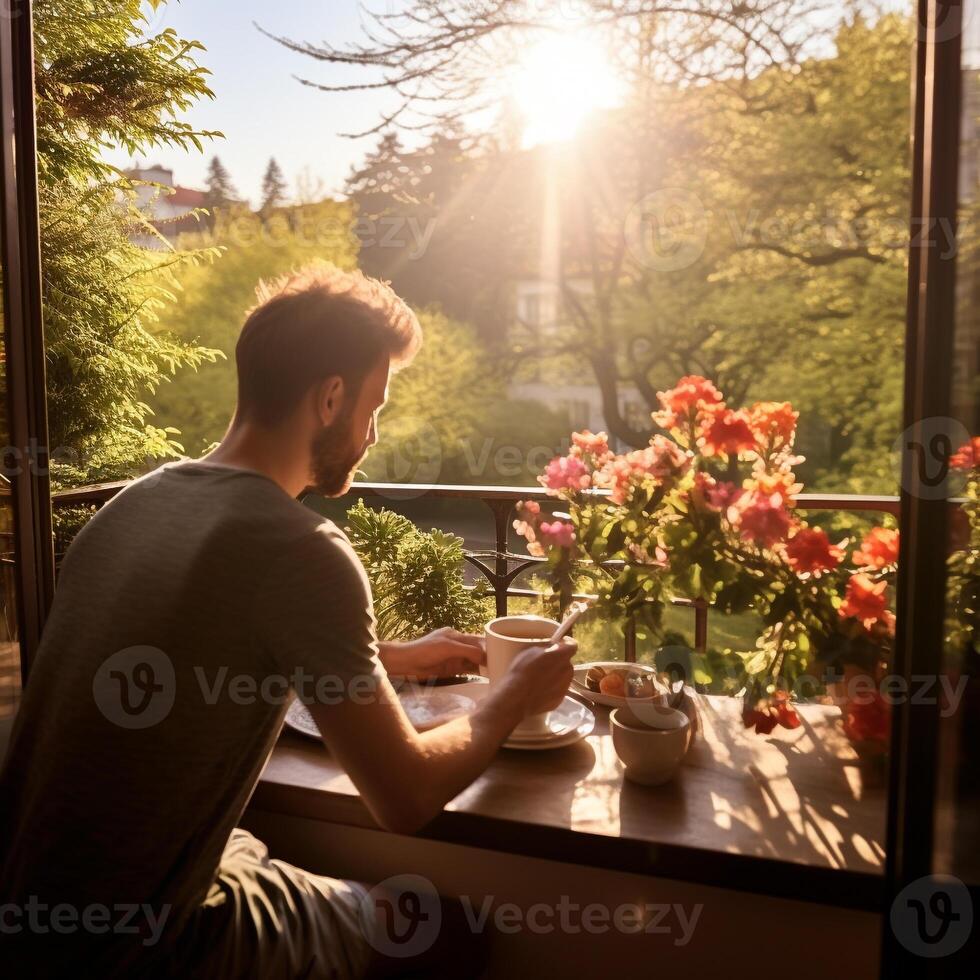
9 648
958 809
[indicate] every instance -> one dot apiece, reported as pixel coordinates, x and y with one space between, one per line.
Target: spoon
575 611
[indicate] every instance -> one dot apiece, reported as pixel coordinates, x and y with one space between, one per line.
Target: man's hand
442 653
539 677
405 777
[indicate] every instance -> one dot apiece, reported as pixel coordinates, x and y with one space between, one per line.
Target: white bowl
613 700
651 755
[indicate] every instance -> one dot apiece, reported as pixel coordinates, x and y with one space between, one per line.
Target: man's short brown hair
312 324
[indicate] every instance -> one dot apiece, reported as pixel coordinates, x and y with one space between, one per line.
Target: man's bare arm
406 777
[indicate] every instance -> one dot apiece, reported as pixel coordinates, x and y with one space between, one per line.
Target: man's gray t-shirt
183 610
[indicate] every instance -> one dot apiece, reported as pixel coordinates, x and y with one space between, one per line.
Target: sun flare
558 83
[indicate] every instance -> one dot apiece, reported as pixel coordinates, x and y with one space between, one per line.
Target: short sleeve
318 621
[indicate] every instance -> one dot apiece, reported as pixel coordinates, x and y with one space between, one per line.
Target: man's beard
334 461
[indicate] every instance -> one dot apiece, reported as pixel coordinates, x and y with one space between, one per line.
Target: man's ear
329 399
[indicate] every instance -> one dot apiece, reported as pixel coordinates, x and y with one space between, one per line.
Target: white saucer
569 722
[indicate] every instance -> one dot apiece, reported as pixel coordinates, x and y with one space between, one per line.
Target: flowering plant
706 512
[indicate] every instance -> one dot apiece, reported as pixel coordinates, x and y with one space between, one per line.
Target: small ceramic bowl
651 749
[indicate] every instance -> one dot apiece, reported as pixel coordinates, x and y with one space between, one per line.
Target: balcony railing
499 565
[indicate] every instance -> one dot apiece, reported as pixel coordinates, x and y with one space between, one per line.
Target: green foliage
416 577
211 304
448 415
100 84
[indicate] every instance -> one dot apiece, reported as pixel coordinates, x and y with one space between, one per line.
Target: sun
559 82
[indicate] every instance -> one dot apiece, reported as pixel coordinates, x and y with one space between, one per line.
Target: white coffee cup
506 637
651 749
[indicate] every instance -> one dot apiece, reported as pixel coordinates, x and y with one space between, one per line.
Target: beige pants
266 919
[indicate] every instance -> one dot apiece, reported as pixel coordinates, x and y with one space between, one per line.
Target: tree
101 83
220 191
273 188
784 196
442 59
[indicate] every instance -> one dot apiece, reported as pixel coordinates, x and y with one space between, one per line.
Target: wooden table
784 814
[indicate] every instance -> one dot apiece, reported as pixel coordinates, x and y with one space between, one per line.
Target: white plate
569 722
426 708
610 700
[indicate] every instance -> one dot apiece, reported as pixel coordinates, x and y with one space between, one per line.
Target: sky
262 110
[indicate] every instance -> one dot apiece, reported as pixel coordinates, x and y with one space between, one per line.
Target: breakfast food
620 682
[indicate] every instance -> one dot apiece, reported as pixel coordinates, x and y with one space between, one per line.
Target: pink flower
566 473
761 517
690 393
559 534
661 461
594 444
810 551
728 434
878 550
711 494
724 495
528 515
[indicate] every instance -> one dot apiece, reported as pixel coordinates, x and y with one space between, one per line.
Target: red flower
691 392
868 718
865 600
878 550
774 423
967 457
765 715
810 550
728 433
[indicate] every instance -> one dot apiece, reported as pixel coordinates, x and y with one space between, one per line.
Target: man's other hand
442 653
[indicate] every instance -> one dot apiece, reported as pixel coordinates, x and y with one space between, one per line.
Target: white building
560 382
169 206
